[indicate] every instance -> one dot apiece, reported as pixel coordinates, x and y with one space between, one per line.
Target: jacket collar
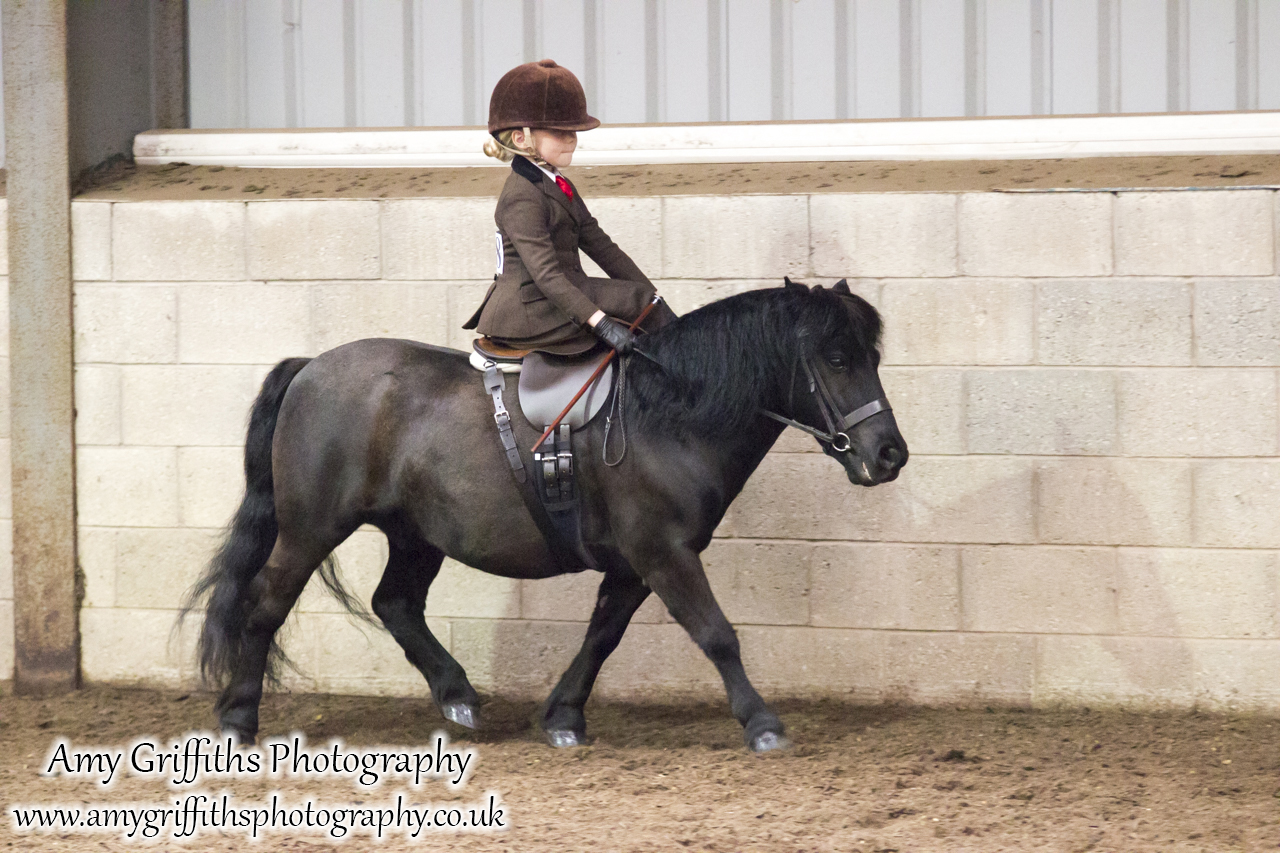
525 169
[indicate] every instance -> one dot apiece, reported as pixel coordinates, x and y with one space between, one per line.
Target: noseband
837 424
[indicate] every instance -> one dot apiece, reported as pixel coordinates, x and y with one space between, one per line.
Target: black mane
732 357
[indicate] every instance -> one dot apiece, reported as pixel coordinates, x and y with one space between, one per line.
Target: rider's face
555 146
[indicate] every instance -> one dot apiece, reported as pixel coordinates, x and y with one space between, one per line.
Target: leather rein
837 425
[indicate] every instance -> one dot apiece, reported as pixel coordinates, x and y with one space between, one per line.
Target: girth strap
557 490
560 530
493 384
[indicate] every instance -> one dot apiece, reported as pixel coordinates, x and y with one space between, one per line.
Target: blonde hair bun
496 150
501 146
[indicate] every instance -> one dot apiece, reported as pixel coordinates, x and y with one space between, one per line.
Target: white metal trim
927 139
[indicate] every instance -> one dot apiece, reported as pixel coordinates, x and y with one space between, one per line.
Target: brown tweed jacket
542 298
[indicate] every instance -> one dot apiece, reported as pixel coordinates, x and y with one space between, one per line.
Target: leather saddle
548 382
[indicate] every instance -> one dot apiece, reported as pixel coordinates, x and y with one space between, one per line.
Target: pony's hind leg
269 598
400 602
620 596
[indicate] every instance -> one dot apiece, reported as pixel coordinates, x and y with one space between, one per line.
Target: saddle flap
548 383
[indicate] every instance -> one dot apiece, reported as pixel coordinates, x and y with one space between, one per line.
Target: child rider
541 299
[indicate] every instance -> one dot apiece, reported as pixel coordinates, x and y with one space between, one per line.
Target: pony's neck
710 375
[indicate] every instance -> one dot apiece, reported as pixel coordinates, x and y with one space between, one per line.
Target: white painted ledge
924 139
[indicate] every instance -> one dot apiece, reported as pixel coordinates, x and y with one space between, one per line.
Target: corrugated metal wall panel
1144 51
1009 65
443 53
1268 60
749 71
622 90
380 88
876 68
561 33
215 53
499 40
270 100
378 63
1211 60
1074 58
324 62
315 63
940 49
684 60
810 59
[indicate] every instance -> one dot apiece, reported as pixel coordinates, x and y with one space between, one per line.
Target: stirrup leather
493 384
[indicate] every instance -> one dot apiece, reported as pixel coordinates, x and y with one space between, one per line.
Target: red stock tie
564 186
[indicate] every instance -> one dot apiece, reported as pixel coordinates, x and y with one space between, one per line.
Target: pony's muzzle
875 458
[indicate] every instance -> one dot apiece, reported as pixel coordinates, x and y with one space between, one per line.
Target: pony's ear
842 287
791 285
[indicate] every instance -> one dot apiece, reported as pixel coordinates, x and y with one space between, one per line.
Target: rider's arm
523 219
601 249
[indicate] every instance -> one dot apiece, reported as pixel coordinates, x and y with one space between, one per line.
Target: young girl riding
541 299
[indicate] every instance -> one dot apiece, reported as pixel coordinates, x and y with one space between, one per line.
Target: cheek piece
837 425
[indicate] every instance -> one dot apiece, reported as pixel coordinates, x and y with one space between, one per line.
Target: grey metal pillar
169 81
46 625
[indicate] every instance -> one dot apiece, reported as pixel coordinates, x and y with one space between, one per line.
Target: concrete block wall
1088 383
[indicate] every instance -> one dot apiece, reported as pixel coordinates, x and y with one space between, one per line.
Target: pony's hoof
565 738
240 722
769 742
463 714
242 738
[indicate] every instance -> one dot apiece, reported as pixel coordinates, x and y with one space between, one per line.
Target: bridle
837 424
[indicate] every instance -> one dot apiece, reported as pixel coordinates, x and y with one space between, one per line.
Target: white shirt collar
548 172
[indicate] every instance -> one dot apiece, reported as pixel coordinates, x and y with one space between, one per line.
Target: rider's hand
615 335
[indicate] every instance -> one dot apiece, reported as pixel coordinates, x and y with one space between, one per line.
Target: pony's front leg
677 576
620 596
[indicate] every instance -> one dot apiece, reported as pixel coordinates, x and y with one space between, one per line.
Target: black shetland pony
400 435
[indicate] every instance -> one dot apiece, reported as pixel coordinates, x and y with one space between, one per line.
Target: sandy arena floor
661 778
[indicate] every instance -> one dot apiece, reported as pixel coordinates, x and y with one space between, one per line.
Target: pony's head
808 354
835 383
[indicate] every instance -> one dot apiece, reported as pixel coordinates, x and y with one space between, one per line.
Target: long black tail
248 541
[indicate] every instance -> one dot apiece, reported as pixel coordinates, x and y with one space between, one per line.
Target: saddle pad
479 362
548 383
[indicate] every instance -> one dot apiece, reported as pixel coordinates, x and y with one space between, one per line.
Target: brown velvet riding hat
539 95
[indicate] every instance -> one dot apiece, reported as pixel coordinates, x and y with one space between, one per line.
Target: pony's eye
837 361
